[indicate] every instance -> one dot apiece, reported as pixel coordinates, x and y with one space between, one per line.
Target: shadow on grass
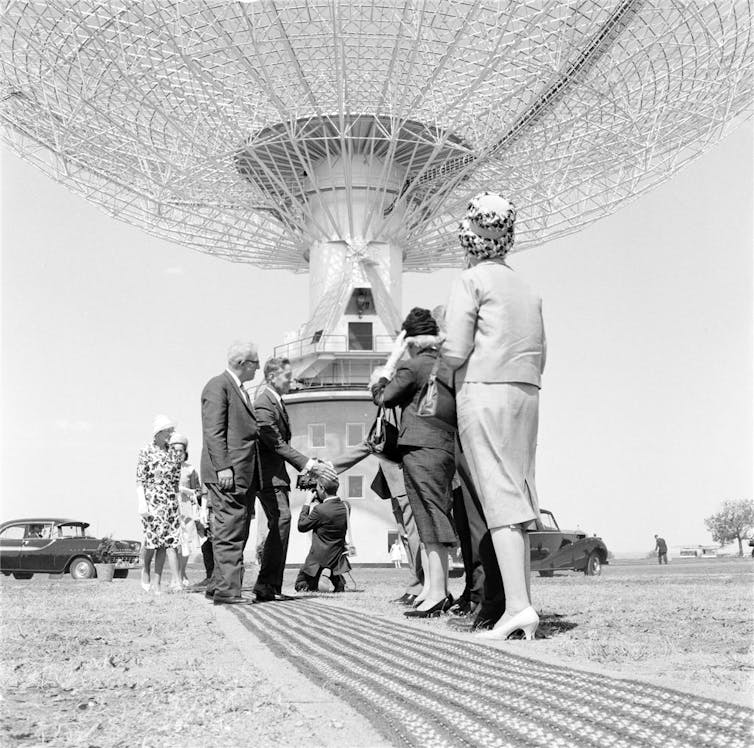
551 624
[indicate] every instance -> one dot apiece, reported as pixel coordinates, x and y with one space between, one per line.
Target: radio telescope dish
256 131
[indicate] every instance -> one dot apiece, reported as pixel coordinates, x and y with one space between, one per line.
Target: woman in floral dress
158 471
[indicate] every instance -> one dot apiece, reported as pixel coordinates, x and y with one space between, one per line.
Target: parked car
58 546
553 549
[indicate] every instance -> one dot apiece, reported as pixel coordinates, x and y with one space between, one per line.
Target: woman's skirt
497 427
428 473
162 526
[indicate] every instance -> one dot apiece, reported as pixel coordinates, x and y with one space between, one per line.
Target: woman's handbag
383 435
437 402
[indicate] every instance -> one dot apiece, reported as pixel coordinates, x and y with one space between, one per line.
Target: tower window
355 487
316 435
354 434
360 336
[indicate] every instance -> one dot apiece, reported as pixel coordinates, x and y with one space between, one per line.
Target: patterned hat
487 231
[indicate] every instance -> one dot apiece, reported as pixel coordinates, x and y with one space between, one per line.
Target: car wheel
593 565
546 573
22 575
120 573
82 568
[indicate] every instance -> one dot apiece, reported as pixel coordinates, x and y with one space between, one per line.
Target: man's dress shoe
461 607
232 600
271 597
209 594
467 624
198 587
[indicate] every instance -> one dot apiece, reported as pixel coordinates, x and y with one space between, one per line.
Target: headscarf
487 231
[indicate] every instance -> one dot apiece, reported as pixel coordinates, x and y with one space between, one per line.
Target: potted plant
105 559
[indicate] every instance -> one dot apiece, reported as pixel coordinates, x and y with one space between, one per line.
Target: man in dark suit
274 452
229 468
328 521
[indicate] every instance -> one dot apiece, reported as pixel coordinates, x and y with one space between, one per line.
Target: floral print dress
159 471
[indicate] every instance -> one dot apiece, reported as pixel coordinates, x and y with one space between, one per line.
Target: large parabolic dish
254 130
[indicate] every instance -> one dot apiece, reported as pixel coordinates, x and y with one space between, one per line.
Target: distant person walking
158 473
662 550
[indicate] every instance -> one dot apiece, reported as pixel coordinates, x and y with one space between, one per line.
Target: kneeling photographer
327 517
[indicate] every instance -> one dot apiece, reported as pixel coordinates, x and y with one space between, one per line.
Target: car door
545 541
36 547
11 539
72 541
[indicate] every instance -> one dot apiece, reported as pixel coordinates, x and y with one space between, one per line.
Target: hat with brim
162 423
487 230
177 438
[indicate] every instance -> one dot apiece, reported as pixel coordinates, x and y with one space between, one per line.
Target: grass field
97 664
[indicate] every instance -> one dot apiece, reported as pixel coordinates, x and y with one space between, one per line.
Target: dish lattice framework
204 123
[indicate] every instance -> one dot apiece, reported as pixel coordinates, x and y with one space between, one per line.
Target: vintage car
553 549
58 546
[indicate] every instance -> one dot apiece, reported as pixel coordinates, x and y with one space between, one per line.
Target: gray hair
239 351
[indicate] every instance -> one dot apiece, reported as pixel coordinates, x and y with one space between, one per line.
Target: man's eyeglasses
250 361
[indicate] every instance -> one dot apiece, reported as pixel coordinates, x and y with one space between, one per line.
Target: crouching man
327 517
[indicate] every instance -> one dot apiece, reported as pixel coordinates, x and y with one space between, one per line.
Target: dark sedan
58 546
553 549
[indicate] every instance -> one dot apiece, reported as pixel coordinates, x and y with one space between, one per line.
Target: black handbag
437 402
383 435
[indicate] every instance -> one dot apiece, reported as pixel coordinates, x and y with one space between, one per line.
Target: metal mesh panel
204 122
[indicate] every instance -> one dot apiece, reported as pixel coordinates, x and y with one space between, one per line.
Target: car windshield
548 521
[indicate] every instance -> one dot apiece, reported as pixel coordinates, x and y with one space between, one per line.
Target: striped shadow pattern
419 688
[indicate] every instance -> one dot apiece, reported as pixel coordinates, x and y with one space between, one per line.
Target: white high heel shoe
527 621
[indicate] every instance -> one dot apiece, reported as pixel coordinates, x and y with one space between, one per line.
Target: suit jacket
494 324
329 524
229 431
274 442
404 391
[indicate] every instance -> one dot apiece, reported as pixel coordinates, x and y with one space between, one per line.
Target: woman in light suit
495 342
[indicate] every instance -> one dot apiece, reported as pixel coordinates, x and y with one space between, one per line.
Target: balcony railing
333 344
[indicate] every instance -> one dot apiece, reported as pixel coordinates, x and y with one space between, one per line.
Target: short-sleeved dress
188 508
159 471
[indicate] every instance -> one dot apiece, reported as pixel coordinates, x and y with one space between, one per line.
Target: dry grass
95 664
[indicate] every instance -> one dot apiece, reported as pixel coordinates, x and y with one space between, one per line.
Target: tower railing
298 349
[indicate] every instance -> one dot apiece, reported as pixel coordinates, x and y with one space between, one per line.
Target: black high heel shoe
436 610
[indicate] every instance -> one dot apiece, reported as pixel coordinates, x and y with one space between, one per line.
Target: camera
306 482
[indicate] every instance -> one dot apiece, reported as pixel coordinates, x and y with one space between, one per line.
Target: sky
646 406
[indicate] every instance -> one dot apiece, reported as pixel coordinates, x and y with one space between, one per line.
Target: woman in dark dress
427 454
